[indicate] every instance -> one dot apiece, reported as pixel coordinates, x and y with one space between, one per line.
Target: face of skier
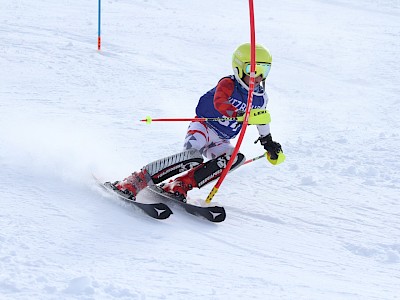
257 80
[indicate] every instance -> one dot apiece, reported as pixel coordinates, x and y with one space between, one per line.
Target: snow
323 225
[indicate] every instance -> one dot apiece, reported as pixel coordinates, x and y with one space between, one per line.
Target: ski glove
273 148
240 117
240 113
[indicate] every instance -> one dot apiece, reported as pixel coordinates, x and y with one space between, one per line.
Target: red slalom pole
249 102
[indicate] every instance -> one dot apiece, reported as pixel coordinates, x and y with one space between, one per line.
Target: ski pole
255 158
256 117
148 119
281 158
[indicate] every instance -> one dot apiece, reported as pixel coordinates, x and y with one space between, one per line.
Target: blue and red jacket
225 100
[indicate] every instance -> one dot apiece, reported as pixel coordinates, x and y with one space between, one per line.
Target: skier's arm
273 148
223 91
264 130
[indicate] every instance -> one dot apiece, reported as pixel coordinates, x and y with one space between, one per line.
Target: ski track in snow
323 225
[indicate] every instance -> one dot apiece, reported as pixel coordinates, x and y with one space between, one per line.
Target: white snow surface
325 224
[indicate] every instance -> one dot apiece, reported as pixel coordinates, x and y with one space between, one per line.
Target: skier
211 139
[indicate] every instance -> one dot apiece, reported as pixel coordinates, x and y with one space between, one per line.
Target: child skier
211 139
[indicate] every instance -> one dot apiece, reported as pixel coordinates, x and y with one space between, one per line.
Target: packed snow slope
325 224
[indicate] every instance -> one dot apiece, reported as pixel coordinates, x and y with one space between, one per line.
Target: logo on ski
214 215
221 162
159 211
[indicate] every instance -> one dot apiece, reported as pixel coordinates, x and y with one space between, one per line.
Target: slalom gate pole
99 27
249 103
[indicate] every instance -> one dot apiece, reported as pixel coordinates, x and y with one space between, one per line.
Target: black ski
212 213
155 210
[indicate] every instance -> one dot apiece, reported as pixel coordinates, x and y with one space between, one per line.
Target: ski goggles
261 69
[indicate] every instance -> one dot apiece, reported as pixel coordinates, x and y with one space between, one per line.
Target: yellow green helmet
241 61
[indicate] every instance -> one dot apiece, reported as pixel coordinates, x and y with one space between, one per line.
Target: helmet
241 61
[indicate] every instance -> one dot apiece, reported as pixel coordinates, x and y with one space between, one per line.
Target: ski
214 214
158 211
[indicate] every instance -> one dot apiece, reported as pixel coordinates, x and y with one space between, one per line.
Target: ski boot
181 185
133 184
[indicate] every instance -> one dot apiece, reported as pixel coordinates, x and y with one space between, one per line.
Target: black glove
240 113
273 148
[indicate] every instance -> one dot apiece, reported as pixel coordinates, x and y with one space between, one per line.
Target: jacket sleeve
223 91
264 130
